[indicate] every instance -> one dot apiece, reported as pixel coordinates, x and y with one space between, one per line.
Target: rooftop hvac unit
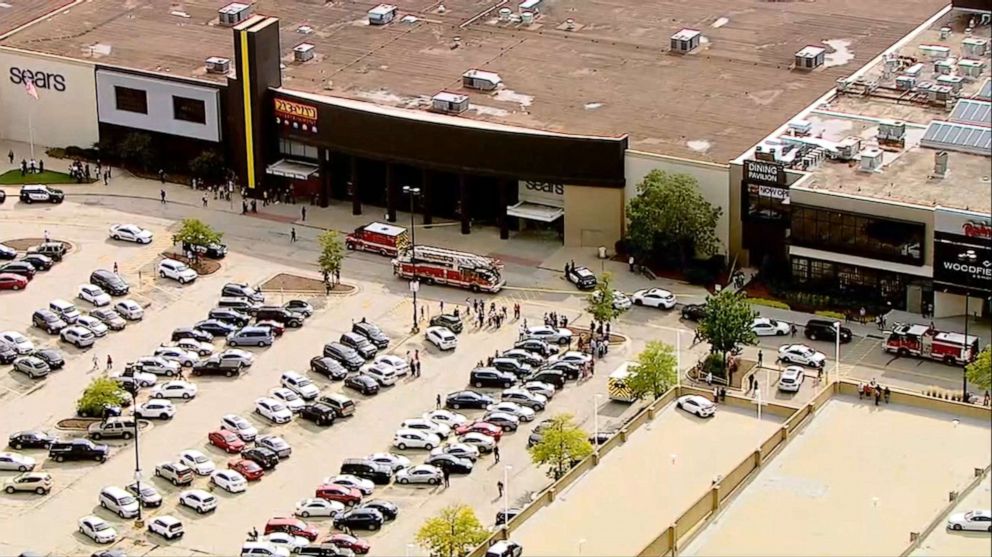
483 81
914 70
504 15
842 84
810 57
303 52
905 82
974 47
765 153
527 18
971 68
871 160
800 127
945 33
940 164
953 81
892 131
685 40
233 14
944 67
216 64
449 103
382 14
940 93
935 52
848 148
529 5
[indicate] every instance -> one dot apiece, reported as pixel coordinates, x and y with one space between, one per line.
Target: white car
288 398
93 294
520 412
405 439
550 335
275 444
764 327
480 441
287 541
176 270
398 365
169 527
245 357
978 520
80 337
573 357
429 426
300 385
17 341
198 461
446 417
239 426
176 354
802 355
129 309
16 462
174 389
547 390
621 301
157 365
655 298
198 500
97 529
229 480
64 309
143 379
383 373
442 338
316 506
423 474
263 549
93 324
196 346
130 233
366 487
791 379
525 398
393 460
161 409
273 410
460 450
695 404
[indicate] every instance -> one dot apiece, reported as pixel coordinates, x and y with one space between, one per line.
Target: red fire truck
924 341
454 268
377 237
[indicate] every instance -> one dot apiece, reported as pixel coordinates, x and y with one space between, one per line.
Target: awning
534 211
292 169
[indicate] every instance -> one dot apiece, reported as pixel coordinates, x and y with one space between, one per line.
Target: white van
65 310
176 270
116 500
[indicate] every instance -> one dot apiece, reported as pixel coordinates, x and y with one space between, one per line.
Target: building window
131 100
858 235
189 110
298 150
766 203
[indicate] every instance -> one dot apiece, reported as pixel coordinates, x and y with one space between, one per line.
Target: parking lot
858 479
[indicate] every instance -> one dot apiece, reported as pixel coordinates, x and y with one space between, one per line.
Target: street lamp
967 257
414 283
137 461
595 421
836 350
506 497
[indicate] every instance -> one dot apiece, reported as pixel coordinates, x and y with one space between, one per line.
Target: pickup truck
218 366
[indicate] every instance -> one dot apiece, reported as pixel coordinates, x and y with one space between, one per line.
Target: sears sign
41 79
542 193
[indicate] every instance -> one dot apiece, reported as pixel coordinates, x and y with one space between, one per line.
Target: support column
465 212
426 181
323 198
356 200
504 222
390 193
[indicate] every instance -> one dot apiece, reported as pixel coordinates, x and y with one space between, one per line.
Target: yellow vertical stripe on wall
246 89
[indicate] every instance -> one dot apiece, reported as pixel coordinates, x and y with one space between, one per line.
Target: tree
331 254
600 301
194 232
136 149
208 165
669 213
453 532
980 370
727 323
655 370
562 444
101 393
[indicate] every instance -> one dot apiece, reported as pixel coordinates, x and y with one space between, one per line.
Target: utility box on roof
685 40
382 14
233 14
303 52
810 57
483 81
216 64
449 103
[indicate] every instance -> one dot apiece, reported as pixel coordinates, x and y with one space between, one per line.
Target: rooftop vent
892 132
527 18
686 40
940 164
449 103
233 14
800 127
216 64
871 160
810 57
483 81
303 52
505 15
382 14
974 48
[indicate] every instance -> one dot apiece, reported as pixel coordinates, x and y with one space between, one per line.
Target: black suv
320 414
22 268
279 314
30 440
491 377
694 312
54 250
329 367
50 356
363 384
360 344
189 332
229 315
78 449
550 376
451 322
112 283
380 474
215 365
46 320
468 399
7 353
371 332
242 290
823 329
266 458
347 356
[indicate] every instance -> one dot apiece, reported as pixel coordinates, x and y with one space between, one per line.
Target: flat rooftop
14 13
584 67
855 481
961 544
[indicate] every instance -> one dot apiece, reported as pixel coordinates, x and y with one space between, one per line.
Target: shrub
714 364
768 303
831 314
101 393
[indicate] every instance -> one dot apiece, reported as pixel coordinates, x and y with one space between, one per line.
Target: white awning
534 211
292 169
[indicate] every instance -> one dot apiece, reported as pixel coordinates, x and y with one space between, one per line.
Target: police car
30 194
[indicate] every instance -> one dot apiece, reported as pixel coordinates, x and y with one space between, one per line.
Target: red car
247 468
340 493
226 440
277 328
358 545
485 428
292 526
10 281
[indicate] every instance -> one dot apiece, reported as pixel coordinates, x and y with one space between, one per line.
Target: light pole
595 420
137 461
414 284
967 257
506 497
581 543
678 357
836 350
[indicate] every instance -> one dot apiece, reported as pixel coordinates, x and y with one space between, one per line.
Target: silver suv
251 336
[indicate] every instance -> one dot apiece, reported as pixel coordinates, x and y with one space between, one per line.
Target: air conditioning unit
685 41
483 81
848 148
944 67
800 127
891 131
233 14
449 103
810 57
953 81
303 52
905 83
971 68
382 14
974 48
871 160
216 64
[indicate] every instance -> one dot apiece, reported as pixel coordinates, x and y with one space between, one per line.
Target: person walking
96 363
496 453
292 234
878 394
10 156
630 263
303 213
709 377
161 175
115 268
110 363
716 395
161 194
106 177
204 200
886 393
437 402
861 314
761 358
47 236
500 487
793 330
447 477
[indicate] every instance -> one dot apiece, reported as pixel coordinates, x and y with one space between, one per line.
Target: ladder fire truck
434 265
925 341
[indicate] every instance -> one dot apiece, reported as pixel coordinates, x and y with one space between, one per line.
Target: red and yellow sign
296 112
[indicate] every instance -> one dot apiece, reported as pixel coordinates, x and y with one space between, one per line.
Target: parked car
693 312
405 439
77 449
215 327
459 450
34 482
240 426
174 389
802 355
16 462
226 440
364 486
763 327
80 337
177 271
31 366
695 404
451 463
242 289
363 384
182 357
540 347
320 414
198 461
54 250
428 426
976 520
441 337
292 526
791 379
169 527
445 417
382 373
397 364
547 334
369 469
250 469
273 410
229 481
200 501
483 442
243 357
175 472
360 519
342 405
130 310
118 501
155 365
120 427
96 528
491 377
131 233
93 294
48 321
160 409
301 307
347 356
112 283
328 367
315 506
524 357
388 510
525 398
620 300
449 321
512 366
212 250
655 298
393 461
20 343
229 315
508 422
38 261
467 399
262 456
581 277
372 332
110 318
147 495
11 281
825 329
479 426
94 325
20 268
349 542
299 384
7 252
280 315
191 333
215 365
29 440
550 376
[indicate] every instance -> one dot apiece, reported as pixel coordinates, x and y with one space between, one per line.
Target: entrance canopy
535 211
292 169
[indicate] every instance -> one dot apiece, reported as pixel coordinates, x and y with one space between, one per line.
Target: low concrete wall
930 403
742 402
942 515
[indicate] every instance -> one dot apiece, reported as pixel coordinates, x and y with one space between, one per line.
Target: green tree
195 232
101 393
600 301
727 323
208 165
669 214
655 370
453 532
562 444
136 149
331 254
980 370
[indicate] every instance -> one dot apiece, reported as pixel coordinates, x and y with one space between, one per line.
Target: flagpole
31 128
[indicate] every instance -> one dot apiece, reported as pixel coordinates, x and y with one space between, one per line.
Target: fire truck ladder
456 258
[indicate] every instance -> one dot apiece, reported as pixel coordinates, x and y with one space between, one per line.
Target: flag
30 88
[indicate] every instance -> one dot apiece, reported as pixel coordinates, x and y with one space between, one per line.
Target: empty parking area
961 543
855 481
641 487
